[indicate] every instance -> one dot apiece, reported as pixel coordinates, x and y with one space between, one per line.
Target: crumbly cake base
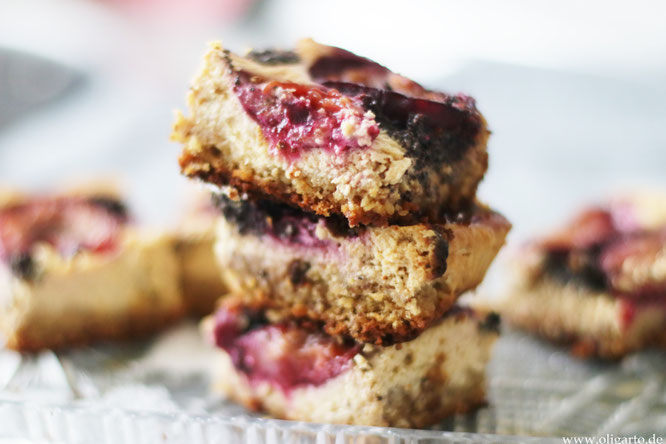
370 185
132 292
589 322
414 384
385 286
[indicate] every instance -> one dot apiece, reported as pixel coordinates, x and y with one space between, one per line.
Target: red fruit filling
354 97
432 126
592 227
282 223
296 118
345 66
285 355
641 249
69 224
602 251
297 230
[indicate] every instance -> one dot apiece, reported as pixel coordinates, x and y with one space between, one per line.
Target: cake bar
298 372
73 270
598 284
376 284
333 133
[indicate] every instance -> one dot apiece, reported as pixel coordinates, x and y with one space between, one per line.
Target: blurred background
574 92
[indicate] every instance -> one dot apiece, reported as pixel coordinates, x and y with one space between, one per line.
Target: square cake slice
376 284
598 284
73 271
332 133
298 372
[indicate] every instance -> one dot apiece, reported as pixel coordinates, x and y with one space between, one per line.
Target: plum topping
432 131
352 99
345 66
640 250
281 222
434 127
601 252
285 355
296 118
591 228
69 224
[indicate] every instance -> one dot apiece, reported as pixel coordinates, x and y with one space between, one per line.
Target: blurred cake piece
73 270
298 372
599 283
376 284
200 274
333 133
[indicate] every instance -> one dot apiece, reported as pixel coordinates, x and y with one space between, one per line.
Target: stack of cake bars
348 228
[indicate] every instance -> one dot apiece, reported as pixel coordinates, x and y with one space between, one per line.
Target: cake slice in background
74 270
333 133
375 284
296 371
201 278
599 283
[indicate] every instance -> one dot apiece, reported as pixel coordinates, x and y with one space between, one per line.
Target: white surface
425 38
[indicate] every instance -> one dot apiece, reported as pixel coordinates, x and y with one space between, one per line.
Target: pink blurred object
186 10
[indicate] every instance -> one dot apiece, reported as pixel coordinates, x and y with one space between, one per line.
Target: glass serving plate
157 391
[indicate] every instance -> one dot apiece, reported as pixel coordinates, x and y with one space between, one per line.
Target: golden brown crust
84 330
589 323
363 327
414 412
207 169
244 181
586 347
